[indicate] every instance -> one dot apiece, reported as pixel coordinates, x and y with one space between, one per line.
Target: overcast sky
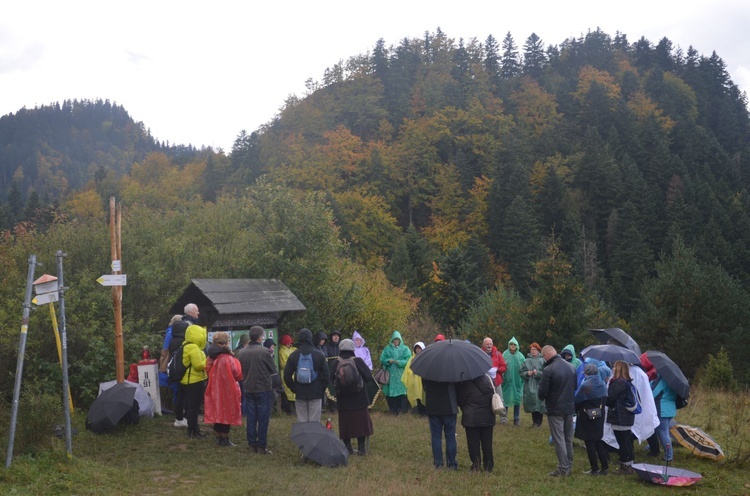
200 72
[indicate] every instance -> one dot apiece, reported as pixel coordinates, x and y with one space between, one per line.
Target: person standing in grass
475 399
308 383
413 383
442 412
393 359
360 349
498 364
531 374
619 394
193 383
354 417
512 382
589 399
257 369
287 397
223 398
557 389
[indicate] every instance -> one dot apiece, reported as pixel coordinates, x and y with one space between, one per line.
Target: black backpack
175 369
348 379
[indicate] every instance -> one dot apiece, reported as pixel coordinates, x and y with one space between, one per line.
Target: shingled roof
222 301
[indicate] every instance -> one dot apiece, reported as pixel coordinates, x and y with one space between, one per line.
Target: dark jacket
558 386
316 389
178 332
320 336
257 368
440 398
332 349
618 391
475 399
358 400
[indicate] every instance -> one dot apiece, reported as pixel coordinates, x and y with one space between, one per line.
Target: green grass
156 458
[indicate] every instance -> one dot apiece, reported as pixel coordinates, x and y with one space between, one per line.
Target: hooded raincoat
531 401
193 356
412 381
284 352
360 350
223 399
576 362
400 355
512 382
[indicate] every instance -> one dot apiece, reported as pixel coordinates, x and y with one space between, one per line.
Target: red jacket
222 401
499 362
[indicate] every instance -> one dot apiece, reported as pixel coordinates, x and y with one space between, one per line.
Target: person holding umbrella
621 419
393 359
665 399
512 382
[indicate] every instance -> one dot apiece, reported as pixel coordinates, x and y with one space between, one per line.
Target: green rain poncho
576 362
531 401
512 382
400 355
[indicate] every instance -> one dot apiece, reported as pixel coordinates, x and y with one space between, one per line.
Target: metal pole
64 341
21 353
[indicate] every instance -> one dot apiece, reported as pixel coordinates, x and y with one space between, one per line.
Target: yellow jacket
284 353
195 341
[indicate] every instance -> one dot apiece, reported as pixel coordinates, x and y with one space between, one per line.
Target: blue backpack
306 373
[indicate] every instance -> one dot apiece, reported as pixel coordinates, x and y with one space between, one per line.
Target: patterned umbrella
666 476
698 442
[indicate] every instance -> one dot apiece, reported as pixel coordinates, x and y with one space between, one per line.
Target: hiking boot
591 472
516 422
264 451
625 470
229 443
197 435
180 423
603 471
253 449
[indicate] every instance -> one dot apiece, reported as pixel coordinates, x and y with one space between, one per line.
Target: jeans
561 429
308 410
662 431
438 425
258 406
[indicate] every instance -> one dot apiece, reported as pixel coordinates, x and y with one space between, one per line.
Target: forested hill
55 149
488 148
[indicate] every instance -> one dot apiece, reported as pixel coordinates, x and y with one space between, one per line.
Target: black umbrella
110 407
670 372
610 353
666 476
319 444
615 335
451 361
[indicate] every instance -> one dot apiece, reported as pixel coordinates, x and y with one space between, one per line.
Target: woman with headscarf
393 359
531 374
590 398
619 395
361 350
286 349
512 382
413 383
222 400
353 404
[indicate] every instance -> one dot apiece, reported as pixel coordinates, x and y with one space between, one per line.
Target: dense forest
469 187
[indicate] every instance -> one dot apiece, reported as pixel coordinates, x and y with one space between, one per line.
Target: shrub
718 373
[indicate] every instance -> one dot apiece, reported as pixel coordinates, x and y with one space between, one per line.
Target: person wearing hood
393 359
512 382
285 350
308 394
193 383
531 374
589 399
354 417
569 355
223 399
360 349
257 369
498 364
179 327
413 383
332 346
321 340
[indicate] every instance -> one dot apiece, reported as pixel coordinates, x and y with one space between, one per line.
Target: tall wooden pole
116 248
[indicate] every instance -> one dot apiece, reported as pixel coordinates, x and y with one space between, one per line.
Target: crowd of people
605 407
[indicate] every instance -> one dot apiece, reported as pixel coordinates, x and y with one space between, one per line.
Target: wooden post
116 251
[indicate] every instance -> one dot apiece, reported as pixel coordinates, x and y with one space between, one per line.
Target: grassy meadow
155 458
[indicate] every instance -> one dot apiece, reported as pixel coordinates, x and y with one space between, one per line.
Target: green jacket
195 341
531 401
512 382
400 355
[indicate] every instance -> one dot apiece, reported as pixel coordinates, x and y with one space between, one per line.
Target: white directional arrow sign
45 298
113 280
